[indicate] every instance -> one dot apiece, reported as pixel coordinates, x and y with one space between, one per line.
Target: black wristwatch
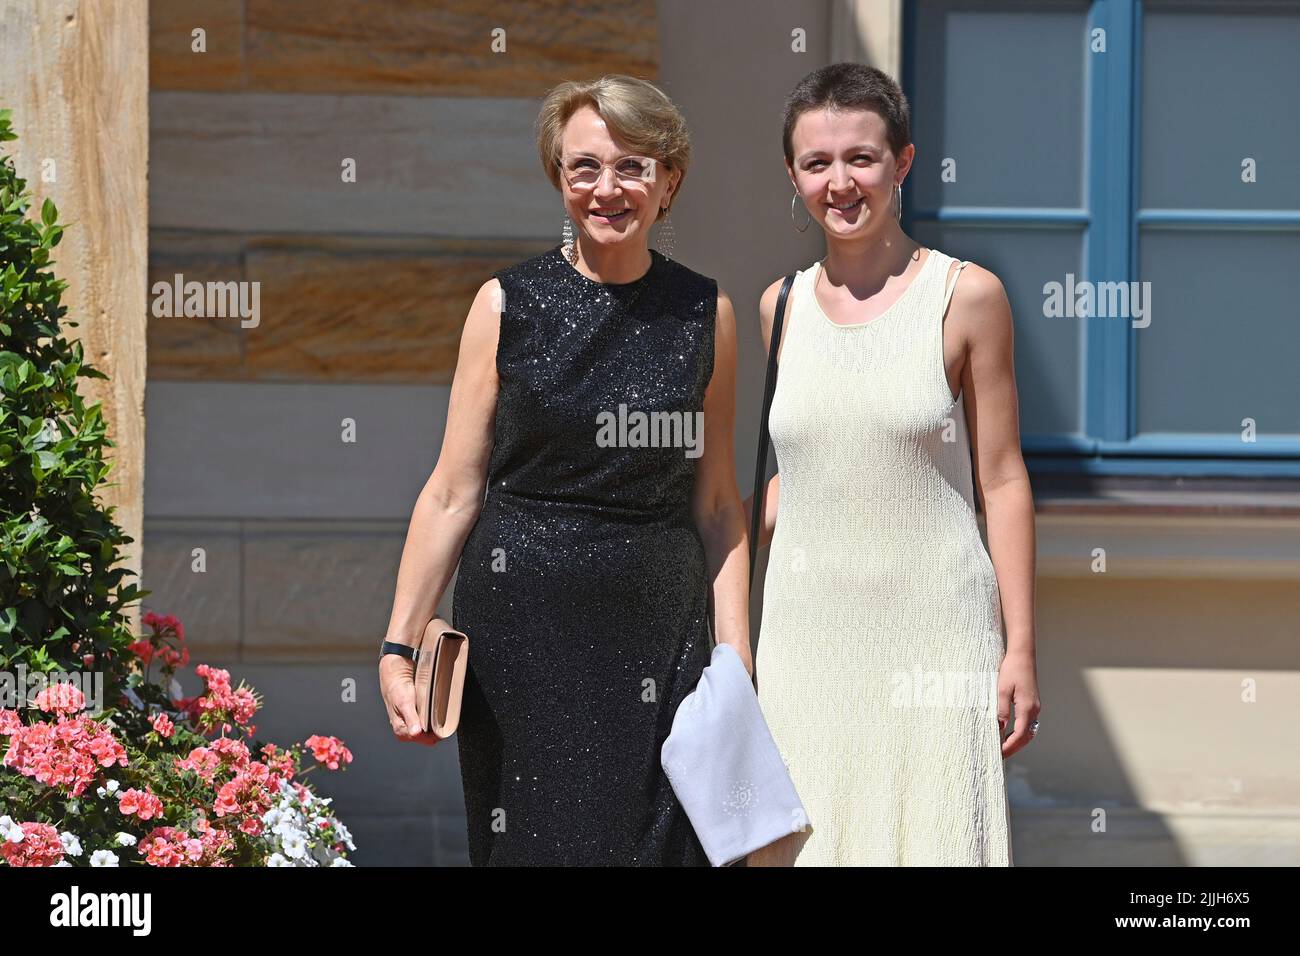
392 647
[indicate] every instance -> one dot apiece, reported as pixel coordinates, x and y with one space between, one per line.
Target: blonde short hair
637 113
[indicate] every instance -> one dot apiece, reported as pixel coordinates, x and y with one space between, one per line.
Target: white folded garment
725 768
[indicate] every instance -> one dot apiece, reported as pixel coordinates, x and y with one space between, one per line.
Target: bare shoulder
978 286
489 293
725 322
767 309
979 306
726 308
489 302
483 322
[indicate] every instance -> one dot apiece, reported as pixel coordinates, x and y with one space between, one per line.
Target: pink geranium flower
232 752
67 753
40 846
140 803
10 722
166 628
281 763
167 625
202 760
169 846
142 650
61 699
329 751
247 793
222 704
163 724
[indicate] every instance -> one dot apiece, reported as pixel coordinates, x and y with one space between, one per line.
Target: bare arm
772 498
983 315
715 504
449 503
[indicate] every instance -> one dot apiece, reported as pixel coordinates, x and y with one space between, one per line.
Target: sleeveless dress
582 586
882 631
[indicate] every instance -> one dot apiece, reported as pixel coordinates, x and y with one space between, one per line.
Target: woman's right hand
397 685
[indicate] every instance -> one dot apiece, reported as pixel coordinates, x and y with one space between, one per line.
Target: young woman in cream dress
881 663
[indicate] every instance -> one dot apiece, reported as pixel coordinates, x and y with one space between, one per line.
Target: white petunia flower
344 834
296 827
289 830
11 831
124 839
295 846
103 858
71 845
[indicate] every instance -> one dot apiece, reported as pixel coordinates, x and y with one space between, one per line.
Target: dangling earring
804 227
898 201
665 235
568 244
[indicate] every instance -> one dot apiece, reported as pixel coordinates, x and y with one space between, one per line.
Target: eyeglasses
583 172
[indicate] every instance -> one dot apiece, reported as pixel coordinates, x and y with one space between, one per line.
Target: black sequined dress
583 584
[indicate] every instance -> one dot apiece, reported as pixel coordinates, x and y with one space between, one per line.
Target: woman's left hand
1018 685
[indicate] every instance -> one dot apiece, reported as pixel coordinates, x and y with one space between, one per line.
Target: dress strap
953 285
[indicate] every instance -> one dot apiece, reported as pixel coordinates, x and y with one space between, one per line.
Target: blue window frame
1124 416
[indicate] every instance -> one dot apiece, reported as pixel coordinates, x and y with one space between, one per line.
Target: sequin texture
583 584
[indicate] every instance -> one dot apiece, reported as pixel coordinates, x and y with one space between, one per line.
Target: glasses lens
581 171
636 169
630 170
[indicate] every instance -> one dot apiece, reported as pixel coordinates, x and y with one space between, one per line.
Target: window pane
1224 336
1219 83
1047 350
1000 92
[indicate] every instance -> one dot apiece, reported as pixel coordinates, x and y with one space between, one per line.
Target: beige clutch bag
440 661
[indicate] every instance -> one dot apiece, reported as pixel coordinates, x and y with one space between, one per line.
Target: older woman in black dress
593 403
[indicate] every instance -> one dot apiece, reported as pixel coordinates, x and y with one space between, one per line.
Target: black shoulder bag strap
769 388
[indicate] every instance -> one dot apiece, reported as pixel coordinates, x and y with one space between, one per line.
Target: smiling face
615 209
845 170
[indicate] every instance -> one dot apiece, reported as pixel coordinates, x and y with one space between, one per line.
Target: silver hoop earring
898 201
665 235
804 227
568 245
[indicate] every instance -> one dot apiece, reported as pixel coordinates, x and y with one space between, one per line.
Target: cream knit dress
882 627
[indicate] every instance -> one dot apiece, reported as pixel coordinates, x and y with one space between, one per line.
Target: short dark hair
849 86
